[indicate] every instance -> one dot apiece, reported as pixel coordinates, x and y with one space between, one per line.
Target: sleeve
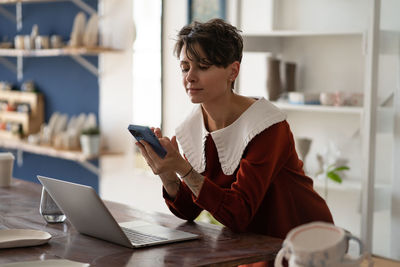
182 206
263 158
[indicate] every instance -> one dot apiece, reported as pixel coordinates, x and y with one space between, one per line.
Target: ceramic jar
274 87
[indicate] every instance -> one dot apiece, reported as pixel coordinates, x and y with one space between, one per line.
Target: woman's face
204 83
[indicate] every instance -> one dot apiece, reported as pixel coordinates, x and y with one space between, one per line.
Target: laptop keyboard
140 238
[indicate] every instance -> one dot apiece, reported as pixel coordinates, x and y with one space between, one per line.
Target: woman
239 161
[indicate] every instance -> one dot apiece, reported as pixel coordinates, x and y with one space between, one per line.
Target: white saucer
46 263
11 238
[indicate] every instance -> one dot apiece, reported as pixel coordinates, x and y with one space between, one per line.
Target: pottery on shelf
56 41
90 137
327 99
90 144
78 30
90 37
63 132
274 87
290 76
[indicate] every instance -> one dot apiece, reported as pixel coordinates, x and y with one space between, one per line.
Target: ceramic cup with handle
318 244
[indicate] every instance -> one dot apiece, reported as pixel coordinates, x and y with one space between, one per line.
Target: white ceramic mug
29 42
6 168
327 99
42 42
318 244
56 41
19 41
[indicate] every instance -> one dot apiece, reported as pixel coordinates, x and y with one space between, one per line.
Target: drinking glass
49 209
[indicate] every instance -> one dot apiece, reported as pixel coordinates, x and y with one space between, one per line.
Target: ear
235 67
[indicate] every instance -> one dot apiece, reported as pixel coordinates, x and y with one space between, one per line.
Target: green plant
332 173
91 131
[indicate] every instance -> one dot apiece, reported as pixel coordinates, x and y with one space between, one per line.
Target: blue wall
67 86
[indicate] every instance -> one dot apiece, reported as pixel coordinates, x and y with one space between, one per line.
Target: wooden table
218 246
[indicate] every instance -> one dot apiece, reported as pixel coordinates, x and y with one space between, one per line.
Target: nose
191 76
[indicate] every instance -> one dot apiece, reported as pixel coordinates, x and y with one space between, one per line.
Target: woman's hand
168 166
142 146
172 162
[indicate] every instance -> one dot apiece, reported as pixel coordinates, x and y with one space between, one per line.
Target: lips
193 90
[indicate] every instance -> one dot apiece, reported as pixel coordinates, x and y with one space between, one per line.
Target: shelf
273 41
347 184
68 51
30 121
14 116
8 135
44 150
302 34
75 53
320 108
73 155
382 191
4 2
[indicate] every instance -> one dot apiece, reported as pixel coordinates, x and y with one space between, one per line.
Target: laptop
88 214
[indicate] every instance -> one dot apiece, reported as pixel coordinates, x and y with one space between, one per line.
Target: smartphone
146 134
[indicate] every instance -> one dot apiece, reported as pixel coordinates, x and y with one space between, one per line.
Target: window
147 63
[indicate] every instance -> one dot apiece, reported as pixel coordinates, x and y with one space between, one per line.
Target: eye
184 67
204 67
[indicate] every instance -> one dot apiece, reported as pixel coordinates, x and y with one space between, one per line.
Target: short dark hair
221 42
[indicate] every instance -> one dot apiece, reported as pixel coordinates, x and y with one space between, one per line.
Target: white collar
230 141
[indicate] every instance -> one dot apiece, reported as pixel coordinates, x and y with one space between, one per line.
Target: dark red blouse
267 194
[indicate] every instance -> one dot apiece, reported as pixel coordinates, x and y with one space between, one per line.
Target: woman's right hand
167 167
173 163
173 160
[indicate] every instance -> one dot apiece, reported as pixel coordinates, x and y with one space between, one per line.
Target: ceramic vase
90 145
290 76
274 87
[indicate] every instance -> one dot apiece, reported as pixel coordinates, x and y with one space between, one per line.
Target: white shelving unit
76 53
325 53
17 18
350 46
